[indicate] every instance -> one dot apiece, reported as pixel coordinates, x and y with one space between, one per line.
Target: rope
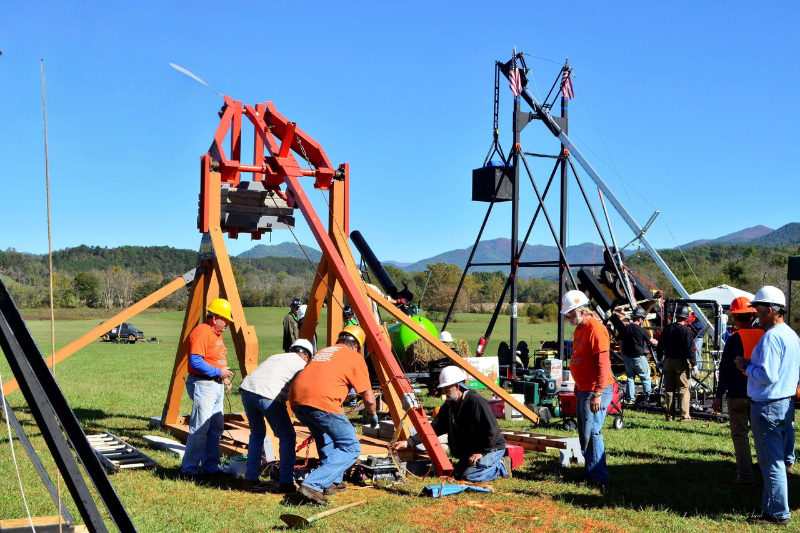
50 259
14 457
321 278
684 257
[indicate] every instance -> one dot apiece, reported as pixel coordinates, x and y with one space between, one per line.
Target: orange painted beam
104 328
450 354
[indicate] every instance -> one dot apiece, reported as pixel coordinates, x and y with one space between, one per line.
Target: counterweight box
484 183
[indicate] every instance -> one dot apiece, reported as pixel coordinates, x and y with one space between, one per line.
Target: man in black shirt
676 346
734 382
633 340
472 432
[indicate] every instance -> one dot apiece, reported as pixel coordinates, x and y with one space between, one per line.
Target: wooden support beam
450 354
244 336
104 328
338 217
375 336
315 300
192 317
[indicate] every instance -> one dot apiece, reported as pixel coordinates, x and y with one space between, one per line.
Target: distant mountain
284 249
397 264
788 235
743 236
499 250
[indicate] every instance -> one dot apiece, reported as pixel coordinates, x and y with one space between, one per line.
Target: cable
684 257
14 456
542 58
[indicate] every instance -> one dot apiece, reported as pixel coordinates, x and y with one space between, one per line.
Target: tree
86 287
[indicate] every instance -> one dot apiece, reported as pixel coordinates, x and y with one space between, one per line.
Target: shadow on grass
681 486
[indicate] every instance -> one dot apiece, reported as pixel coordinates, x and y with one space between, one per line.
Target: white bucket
510 411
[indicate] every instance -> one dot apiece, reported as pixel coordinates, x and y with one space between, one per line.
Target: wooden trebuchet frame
450 354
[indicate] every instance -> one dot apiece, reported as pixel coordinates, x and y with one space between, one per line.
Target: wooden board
236 436
42 524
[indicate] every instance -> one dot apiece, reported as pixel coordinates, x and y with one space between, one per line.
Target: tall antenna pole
50 258
563 218
514 233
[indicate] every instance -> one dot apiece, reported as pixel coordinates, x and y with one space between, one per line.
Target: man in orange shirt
591 368
209 378
316 398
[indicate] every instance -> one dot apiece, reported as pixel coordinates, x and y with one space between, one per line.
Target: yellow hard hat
356 332
221 307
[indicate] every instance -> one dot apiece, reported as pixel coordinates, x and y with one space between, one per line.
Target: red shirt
590 364
208 343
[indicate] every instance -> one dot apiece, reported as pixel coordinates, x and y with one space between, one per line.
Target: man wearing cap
473 436
734 382
209 378
316 397
591 369
773 371
634 341
291 328
264 392
676 348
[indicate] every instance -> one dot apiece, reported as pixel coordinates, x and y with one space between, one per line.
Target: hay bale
419 353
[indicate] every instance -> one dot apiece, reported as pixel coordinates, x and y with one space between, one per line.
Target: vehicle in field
130 333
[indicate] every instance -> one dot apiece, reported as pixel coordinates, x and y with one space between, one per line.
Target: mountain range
499 250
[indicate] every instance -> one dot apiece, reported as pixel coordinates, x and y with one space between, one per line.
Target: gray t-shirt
272 378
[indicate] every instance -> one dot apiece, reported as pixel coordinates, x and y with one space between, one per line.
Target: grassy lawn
665 477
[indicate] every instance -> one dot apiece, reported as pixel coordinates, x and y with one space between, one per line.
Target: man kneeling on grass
472 432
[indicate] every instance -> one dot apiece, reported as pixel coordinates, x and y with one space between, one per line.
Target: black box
794 268
484 183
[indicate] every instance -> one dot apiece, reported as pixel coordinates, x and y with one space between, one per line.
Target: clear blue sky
694 102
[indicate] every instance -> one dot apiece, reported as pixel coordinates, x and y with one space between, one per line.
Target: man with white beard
591 369
472 432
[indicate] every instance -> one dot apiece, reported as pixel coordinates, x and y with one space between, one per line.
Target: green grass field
665 477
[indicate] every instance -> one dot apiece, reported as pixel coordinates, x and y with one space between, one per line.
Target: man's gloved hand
370 420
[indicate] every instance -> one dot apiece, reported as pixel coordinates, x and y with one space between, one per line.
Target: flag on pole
514 82
566 86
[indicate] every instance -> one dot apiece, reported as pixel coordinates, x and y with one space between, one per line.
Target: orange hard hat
741 305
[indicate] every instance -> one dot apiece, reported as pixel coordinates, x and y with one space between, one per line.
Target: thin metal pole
563 226
514 236
50 260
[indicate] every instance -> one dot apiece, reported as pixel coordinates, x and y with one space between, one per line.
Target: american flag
514 83
566 86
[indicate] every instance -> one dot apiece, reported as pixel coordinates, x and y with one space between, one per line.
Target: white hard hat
301 312
445 336
451 375
303 343
769 295
573 300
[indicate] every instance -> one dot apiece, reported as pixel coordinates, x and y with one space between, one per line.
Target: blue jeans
589 427
337 445
205 426
257 408
488 468
771 423
636 366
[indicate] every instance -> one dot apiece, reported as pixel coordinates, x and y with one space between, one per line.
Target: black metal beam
37 463
49 408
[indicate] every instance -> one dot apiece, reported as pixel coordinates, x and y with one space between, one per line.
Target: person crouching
473 436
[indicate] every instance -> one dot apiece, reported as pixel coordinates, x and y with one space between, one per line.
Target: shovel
298 522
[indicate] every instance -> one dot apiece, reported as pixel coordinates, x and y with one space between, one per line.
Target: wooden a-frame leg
194 313
315 300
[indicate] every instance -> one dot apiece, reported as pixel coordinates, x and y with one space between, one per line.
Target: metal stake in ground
298 522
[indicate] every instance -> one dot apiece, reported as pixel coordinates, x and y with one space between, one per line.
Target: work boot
738 483
334 488
507 462
767 520
313 496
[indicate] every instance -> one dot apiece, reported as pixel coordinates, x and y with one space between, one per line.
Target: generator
541 394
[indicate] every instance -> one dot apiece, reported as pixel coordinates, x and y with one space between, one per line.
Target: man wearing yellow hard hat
209 379
316 396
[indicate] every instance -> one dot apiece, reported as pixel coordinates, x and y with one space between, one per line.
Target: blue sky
693 102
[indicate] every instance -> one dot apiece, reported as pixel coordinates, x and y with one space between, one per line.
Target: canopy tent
724 294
